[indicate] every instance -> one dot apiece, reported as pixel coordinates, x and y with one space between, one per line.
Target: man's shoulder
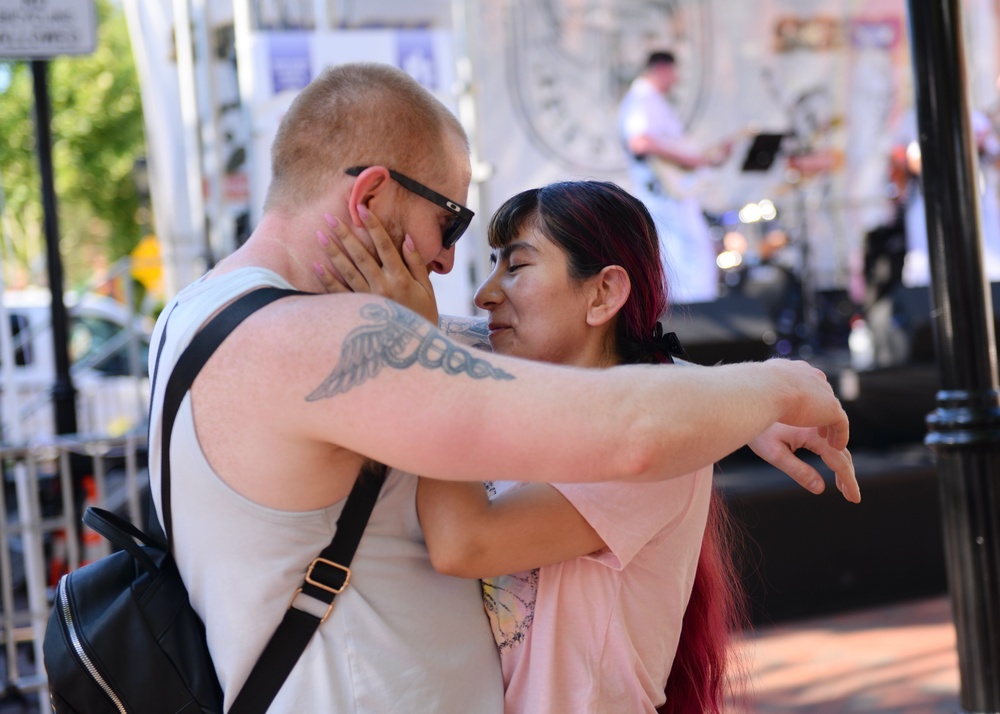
642 87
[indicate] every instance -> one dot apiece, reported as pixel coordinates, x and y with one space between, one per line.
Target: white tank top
400 638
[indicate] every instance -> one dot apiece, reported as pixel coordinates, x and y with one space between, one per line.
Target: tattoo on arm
398 339
470 331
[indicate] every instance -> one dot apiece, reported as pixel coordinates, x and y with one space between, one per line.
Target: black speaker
803 555
734 328
911 312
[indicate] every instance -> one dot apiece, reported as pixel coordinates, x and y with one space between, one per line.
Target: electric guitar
680 183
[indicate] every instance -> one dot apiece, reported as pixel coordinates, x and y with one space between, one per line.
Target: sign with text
47 28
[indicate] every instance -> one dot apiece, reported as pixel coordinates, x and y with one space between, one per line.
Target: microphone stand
804 333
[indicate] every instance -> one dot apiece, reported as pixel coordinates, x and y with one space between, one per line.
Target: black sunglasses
463 216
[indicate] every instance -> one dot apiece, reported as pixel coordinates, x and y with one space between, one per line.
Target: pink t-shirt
598 633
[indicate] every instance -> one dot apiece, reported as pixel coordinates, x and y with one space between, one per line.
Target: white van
108 350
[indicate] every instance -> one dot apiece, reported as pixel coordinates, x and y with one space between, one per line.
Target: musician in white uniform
661 165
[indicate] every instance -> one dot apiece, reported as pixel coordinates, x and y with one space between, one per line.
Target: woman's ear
368 184
610 289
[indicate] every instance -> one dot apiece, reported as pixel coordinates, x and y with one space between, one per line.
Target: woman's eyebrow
504 253
516 245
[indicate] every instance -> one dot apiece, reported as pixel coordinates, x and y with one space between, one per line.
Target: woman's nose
488 295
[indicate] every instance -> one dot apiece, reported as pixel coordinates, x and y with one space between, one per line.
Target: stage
812 555
807 555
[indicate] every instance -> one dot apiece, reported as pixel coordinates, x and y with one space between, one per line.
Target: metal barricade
46 488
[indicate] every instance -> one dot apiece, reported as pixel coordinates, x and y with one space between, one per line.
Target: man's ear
368 184
609 290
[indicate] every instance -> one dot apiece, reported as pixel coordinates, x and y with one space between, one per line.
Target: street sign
39 29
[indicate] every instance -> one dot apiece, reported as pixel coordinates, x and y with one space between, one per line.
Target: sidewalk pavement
892 659
896 659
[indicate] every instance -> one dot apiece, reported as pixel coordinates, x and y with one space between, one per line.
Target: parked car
108 347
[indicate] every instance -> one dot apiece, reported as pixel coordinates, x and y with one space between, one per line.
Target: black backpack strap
190 363
329 573
123 535
327 576
153 527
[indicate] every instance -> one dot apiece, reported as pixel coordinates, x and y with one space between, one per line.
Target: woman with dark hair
592 617
615 587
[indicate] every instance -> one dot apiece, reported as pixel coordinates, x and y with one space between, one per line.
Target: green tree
97 134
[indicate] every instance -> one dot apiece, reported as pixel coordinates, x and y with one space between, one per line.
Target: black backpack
122 635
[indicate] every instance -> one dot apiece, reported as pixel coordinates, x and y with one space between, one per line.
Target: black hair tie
667 344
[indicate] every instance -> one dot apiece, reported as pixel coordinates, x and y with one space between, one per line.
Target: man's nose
443 262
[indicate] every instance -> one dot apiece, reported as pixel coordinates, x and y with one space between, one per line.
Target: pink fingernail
323 240
363 212
408 242
319 269
331 220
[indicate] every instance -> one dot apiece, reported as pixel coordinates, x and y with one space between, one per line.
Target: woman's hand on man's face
353 267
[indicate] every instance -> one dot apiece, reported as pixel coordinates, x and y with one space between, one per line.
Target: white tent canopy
537 86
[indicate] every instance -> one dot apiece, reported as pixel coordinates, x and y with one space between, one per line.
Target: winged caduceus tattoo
398 339
470 331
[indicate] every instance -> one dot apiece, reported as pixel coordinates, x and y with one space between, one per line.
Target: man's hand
813 419
355 269
718 154
779 443
808 399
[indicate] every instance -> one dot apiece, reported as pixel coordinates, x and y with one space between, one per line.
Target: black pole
964 430
63 392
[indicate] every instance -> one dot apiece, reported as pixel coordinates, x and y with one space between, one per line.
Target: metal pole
63 392
323 10
184 43
218 241
465 25
246 78
964 430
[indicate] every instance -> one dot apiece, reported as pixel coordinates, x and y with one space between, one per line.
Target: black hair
598 223
661 57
